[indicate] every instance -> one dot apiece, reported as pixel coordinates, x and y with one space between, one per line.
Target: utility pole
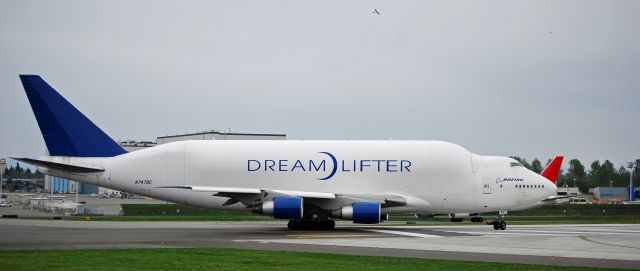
3 166
76 197
630 165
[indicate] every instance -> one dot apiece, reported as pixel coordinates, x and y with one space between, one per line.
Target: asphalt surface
611 246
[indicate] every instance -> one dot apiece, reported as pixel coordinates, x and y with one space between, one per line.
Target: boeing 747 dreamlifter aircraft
308 182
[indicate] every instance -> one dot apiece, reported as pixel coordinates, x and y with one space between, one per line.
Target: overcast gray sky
528 78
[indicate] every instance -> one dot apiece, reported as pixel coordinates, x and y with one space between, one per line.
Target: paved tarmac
612 246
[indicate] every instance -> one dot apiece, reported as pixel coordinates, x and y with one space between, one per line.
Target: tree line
598 174
19 172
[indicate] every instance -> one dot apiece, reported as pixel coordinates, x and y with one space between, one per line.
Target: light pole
3 166
630 165
76 197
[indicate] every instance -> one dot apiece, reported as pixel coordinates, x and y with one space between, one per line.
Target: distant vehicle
94 195
5 204
105 195
577 201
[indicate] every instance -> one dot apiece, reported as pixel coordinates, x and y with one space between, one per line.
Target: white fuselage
438 177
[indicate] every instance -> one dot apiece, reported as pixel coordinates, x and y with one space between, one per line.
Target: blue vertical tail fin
66 131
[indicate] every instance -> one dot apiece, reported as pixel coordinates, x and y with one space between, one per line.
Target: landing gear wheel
503 225
292 225
496 225
323 225
332 225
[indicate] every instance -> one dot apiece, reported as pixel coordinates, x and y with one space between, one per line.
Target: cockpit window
516 164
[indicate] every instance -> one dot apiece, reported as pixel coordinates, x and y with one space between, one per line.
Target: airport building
215 135
569 191
610 193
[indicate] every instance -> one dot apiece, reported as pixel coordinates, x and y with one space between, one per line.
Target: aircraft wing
387 200
249 196
217 189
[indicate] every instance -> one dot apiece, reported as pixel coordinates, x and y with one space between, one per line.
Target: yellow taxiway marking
334 235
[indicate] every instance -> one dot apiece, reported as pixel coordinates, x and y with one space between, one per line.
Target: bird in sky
375 11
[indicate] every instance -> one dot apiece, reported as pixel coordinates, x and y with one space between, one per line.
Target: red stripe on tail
553 170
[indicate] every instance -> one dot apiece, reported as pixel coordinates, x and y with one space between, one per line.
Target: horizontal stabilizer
59 166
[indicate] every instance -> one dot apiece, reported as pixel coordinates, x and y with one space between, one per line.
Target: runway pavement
613 246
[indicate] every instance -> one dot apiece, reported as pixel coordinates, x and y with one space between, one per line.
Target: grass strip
234 259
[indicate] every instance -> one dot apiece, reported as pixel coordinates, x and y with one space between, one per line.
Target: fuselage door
486 185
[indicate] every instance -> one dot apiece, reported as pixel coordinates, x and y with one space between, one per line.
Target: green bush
581 209
164 209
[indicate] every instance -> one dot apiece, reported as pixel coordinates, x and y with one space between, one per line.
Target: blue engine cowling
360 212
282 207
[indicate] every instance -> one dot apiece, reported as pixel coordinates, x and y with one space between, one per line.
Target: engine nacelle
283 207
360 212
458 215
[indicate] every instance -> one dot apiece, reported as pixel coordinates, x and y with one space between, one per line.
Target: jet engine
458 217
282 207
361 213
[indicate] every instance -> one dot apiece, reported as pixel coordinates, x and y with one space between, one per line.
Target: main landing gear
311 224
499 225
